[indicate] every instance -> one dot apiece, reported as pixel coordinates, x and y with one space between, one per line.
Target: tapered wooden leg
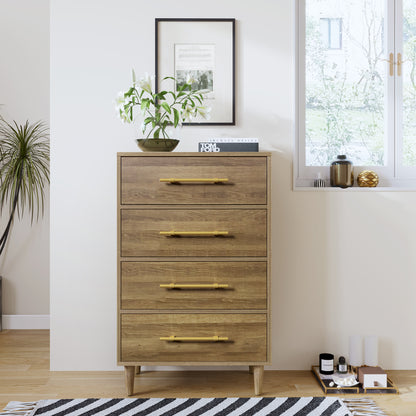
138 369
258 371
129 373
250 369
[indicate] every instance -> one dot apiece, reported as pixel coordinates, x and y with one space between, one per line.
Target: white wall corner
26 322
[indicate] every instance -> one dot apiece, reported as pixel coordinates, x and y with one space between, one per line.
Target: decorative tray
356 389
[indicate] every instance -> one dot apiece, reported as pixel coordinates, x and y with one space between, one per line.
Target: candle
326 363
371 350
355 350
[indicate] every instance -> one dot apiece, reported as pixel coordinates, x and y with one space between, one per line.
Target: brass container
341 172
367 179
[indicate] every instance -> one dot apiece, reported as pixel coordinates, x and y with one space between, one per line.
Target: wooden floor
25 376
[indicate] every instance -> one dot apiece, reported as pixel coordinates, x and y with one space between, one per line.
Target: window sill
354 189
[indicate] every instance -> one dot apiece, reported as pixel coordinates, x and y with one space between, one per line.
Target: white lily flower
122 117
190 79
189 113
119 101
204 112
145 83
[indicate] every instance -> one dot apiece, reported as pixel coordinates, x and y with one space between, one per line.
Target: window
361 100
331 33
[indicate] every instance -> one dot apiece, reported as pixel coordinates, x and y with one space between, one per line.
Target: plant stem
6 232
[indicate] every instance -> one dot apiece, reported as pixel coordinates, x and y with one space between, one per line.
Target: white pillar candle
371 350
356 350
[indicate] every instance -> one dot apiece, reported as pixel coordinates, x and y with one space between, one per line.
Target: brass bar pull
193 180
214 338
194 286
193 233
399 64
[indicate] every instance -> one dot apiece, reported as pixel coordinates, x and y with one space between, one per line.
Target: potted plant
24 171
161 112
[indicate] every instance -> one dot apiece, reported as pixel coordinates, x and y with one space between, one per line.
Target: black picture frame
205 47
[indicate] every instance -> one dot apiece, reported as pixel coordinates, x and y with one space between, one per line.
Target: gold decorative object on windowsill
367 179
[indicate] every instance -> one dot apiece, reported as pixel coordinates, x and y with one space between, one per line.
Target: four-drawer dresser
193 261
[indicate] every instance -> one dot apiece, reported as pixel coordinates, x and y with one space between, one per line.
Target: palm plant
24 170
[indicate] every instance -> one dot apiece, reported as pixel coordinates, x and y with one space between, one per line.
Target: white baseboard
26 322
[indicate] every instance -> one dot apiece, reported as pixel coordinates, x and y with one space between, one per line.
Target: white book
232 140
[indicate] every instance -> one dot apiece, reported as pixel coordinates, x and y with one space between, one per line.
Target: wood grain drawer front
245 333
246 228
245 285
246 180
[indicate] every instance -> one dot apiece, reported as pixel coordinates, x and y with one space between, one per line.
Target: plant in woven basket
24 170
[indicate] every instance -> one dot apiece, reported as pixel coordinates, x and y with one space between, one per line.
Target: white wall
342 262
24 95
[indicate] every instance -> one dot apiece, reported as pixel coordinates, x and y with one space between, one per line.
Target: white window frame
393 175
330 34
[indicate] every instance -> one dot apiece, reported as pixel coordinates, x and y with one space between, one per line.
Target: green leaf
156 133
145 104
198 98
176 117
129 92
166 107
147 120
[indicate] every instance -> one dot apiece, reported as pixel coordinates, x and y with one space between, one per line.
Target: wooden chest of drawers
193 260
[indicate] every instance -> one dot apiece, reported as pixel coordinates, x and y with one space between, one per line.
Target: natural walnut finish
140 232
246 280
246 333
200 221
247 180
25 376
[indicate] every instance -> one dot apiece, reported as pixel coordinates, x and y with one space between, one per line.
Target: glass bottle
342 366
341 172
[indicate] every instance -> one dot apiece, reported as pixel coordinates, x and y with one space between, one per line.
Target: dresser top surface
194 154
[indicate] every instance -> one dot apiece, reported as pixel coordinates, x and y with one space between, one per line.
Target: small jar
326 363
341 172
342 366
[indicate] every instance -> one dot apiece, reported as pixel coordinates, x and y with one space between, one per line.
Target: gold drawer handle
193 233
214 338
193 180
194 286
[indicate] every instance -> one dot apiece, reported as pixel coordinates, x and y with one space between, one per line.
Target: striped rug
285 406
262 406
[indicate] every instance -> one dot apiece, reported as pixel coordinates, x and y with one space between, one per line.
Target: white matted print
196 62
204 50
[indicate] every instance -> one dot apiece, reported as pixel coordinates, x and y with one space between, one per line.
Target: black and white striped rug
262 406
192 407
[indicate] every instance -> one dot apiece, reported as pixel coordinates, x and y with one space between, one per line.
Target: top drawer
246 180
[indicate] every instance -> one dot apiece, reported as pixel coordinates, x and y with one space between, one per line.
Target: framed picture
203 49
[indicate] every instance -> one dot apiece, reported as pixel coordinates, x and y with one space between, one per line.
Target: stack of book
229 145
